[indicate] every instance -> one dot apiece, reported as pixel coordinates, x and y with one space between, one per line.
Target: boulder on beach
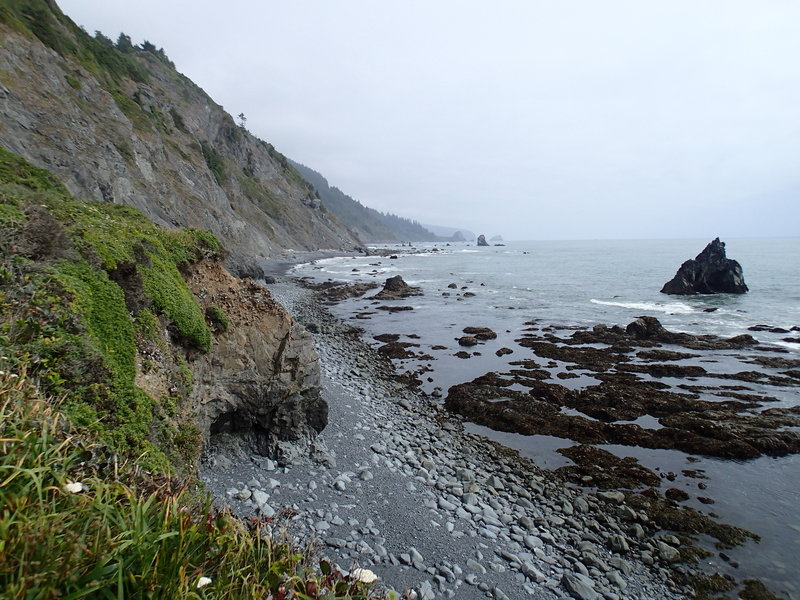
482 240
710 272
395 288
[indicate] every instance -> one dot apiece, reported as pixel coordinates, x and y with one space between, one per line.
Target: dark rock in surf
710 272
395 288
482 240
481 333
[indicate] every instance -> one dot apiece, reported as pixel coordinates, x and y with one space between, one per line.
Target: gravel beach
395 485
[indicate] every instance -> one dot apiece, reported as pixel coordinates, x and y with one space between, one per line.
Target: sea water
580 284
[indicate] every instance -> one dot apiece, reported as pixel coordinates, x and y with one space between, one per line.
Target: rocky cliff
261 378
117 123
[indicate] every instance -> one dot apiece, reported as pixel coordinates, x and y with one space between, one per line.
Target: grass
126 533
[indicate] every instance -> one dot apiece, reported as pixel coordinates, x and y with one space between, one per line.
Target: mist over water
580 284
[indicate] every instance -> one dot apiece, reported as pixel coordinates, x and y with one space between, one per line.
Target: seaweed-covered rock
710 272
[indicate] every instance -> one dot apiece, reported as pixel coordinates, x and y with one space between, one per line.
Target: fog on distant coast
532 120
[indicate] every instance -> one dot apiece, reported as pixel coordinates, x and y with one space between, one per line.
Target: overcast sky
530 119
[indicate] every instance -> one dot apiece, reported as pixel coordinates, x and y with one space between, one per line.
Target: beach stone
637 531
579 586
475 566
445 505
532 572
495 482
533 542
667 553
498 594
621 564
615 578
580 504
259 497
619 544
426 591
612 496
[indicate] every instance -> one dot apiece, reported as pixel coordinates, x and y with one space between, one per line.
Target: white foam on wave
790 345
670 307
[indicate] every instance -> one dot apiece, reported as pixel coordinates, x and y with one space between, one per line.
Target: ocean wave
671 307
790 345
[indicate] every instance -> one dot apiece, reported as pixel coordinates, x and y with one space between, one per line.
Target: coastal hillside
123 347
116 122
370 224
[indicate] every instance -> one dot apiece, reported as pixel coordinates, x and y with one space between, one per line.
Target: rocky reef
629 386
710 272
482 240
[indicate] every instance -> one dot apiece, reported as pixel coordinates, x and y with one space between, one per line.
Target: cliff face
261 377
126 127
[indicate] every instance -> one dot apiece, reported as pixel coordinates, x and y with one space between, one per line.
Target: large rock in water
710 272
395 288
482 240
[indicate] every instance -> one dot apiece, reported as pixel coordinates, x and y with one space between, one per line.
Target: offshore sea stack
482 240
710 272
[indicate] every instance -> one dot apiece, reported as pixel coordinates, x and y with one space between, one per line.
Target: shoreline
702 398
400 488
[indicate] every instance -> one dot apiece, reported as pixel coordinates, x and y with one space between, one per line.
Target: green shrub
214 162
217 318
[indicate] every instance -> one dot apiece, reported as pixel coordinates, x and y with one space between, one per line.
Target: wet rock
467 340
482 240
395 288
676 494
710 272
480 333
397 350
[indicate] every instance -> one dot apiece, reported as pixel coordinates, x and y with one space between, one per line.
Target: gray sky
530 119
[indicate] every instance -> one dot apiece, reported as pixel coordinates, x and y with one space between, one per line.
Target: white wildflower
203 582
363 575
74 487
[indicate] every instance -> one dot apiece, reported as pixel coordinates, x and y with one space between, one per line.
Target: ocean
574 284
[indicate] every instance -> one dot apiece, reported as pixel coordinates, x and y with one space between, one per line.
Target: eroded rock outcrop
710 272
482 240
261 378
